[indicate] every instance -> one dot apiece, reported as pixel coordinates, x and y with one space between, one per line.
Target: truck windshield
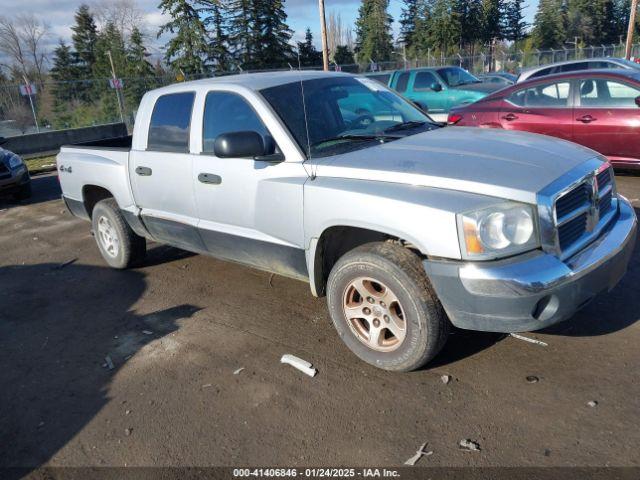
456 76
344 114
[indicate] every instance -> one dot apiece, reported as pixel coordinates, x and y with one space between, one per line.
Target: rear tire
119 245
397 322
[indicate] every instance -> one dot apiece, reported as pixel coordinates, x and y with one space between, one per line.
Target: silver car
576 65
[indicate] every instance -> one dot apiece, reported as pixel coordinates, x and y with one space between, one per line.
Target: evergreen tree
214 13
240 32
548 26
187 50
307 52
409 22
271 34
343 56
514 24
443 26
84 37
138 68
591 20
492 27
470 17
64 73
373 28
109 41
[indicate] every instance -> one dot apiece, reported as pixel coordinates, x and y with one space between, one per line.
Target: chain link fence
50 105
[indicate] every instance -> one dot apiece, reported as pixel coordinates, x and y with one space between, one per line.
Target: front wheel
118 243
384 308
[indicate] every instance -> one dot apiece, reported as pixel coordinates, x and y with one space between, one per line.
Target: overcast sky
302 13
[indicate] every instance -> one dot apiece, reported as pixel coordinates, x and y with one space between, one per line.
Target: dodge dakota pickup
407 227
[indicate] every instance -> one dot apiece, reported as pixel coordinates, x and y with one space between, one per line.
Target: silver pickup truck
406 226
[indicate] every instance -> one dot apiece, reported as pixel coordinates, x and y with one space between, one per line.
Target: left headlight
15 161
498 231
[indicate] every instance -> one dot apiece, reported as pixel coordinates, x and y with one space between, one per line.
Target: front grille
572 231
579 211
572 201
604 178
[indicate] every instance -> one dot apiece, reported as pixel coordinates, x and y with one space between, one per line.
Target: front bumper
535 290
11 182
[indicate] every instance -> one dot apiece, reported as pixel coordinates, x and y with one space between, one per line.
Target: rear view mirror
436 87
638 101
239 145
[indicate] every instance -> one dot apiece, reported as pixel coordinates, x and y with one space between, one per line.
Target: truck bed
116 143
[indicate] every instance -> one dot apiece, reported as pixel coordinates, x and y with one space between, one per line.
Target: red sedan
597 109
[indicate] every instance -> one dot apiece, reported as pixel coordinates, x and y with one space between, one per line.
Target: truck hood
497 163
486 88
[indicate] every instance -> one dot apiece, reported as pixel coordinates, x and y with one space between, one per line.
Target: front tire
384 308
119 245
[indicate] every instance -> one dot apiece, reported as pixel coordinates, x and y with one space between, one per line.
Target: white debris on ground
445 379
302 365
237 372
419 454
527 339
469 445
592 403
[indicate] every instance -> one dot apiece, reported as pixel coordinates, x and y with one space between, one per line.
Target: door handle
510 117
210 178
586 119
144 171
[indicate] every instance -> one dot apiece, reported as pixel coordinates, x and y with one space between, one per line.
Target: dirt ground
177 330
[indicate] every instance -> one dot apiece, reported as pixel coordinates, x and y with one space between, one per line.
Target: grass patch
38 164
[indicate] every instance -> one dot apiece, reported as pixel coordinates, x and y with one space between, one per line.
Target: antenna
306 122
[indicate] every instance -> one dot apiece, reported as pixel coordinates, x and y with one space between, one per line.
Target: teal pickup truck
437 89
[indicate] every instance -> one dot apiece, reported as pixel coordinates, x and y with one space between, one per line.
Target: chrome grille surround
575 209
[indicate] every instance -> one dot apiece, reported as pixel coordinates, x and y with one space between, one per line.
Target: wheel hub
374 314
108 237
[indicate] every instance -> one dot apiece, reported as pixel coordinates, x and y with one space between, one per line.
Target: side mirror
421 106
436 87
638 101
239 145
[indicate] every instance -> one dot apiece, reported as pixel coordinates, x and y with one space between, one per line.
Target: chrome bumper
535 290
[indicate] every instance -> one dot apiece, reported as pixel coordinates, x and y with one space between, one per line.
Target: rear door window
170 123
601 93
403 82
383 79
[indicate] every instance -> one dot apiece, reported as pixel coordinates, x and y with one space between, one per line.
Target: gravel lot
177 330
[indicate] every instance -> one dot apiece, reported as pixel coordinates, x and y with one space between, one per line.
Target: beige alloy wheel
374 314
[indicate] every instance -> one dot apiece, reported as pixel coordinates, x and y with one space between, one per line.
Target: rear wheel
384 308
118 243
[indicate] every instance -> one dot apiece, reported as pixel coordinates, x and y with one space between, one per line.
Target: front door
428 90
250 210
162 174
607 119
544 108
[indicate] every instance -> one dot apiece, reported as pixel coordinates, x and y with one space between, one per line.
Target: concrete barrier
49 143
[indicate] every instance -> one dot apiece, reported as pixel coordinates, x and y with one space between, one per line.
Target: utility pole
115 86
323 34
632 26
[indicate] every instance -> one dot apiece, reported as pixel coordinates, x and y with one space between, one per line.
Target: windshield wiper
405 126
354 137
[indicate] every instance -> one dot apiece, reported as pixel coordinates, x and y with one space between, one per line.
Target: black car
14 176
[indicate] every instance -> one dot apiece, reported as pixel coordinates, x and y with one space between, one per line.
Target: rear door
161 173
607 118
543 108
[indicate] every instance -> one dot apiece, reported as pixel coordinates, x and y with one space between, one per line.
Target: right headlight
498 231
